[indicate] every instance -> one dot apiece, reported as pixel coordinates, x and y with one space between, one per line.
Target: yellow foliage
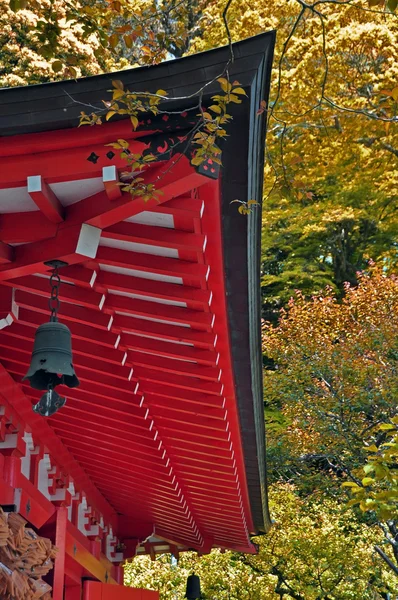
313 551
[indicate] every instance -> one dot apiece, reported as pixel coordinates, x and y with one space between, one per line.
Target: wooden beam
108 453
149 263
156 236
95 394
169 350
110 177
100 379
158 394
68 311
187 406
61 164
170 365
160 313
116 376
143 450
69 294
8 307
211 419
13 396
20 228
71 245
194 297
200 339
59 564
171 180
79 331
6 253
180 382
80 347
45 199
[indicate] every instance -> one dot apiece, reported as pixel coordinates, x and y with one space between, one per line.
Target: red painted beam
179 439
182 207
59 564
131 410
77 410
109 453
14 396
147 491
200 339
97 380
151 264
193 401
50 141
78 330
32 504
161 312
110 177
6 253
68 311
81 347
155 236
78 548
217 464
91 370
8 307
20 228
71 245
195 297
193 465
62 164
153 485
69 294
144 450
171 180
169 429
169 365
211 419
45 199
78 275
169 350
180 382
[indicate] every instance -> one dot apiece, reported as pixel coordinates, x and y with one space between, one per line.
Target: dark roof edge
243 165
57 105
255 191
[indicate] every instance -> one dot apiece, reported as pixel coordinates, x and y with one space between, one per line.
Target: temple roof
165 435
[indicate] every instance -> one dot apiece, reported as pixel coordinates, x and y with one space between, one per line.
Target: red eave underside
154 423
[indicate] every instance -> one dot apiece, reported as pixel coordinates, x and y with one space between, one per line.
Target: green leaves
57 66
392 5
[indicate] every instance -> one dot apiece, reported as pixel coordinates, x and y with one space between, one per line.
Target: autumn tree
331 397
38 44
313 551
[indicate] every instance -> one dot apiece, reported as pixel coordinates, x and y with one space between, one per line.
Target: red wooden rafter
154 423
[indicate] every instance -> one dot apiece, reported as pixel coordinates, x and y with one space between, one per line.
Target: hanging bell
51 363
193 588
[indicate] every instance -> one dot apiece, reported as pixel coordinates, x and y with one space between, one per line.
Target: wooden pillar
73 592
59 566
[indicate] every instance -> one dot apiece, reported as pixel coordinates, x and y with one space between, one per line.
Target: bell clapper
49 403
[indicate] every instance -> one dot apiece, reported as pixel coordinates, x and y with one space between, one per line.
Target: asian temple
161 446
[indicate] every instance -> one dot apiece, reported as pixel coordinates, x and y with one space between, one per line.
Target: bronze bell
51 362
193 588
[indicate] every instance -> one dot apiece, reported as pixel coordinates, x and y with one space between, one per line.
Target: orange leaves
263 107
336 376
392 93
